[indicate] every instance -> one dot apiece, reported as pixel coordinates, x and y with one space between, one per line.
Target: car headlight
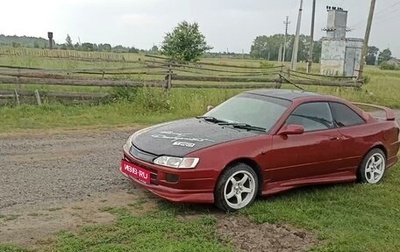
177 162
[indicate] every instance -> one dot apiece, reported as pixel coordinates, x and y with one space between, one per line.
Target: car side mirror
291 129
209 107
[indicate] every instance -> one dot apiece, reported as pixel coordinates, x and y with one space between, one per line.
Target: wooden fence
155 71
68 54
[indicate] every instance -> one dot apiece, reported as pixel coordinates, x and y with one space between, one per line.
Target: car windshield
249 110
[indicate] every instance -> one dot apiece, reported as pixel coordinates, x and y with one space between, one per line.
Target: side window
313 116
345 116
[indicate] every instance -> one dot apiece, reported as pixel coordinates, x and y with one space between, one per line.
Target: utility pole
280 53
286 23
366 39
296 40
310 54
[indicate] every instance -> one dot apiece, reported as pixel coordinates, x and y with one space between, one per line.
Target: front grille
141 155
147 158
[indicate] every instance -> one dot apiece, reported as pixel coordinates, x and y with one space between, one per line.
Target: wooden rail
148 72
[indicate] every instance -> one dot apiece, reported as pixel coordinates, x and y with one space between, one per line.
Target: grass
349 217
159 230
11 248
153 105
147 107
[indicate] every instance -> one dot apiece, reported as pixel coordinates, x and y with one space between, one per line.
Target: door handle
334 138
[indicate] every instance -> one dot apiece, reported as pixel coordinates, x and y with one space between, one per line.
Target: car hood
179 138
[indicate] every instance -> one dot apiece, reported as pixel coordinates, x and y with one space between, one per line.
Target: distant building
340 56
394 61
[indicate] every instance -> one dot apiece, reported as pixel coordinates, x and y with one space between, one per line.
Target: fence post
19 79
169 80
38 100
16 97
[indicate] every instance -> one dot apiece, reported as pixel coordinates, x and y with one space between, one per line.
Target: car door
312 155
355 133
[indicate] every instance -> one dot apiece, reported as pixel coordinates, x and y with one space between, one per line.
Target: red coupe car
261 142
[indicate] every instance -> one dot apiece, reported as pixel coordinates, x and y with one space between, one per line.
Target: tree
185 43
68 42
105 47
120 49
262 46
384 56
15 44
371 56
133 50
87 47
267 47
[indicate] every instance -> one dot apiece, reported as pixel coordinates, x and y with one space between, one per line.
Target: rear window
345 116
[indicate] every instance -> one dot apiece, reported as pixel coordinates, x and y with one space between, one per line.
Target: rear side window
345 116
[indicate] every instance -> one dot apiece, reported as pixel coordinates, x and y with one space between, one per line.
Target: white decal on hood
173 136
184 144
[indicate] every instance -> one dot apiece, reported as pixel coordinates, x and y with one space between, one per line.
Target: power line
386 17
378 14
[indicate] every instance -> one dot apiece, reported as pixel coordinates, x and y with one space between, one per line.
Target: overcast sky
227 24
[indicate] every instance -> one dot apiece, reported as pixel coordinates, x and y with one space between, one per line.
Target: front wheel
373 167
236 188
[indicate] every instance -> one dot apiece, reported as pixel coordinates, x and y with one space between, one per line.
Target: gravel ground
46 169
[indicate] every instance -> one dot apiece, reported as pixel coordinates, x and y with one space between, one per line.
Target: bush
127 94
388 66
147 98
153 99
266 64
367 79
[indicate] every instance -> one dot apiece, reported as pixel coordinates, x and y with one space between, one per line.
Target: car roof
286 94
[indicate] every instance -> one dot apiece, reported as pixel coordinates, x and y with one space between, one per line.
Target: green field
351 217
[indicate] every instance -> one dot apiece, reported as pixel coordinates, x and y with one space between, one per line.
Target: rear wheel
236 188
373 167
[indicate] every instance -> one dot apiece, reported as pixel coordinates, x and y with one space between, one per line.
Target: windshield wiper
211 119
243 126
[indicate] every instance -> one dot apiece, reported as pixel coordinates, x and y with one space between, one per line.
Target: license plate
135 172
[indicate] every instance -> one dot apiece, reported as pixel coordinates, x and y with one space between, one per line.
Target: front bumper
192 186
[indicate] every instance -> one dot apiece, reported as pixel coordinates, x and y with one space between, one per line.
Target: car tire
236 188
373 167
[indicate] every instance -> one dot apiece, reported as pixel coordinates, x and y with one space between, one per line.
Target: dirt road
46 169
50 182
